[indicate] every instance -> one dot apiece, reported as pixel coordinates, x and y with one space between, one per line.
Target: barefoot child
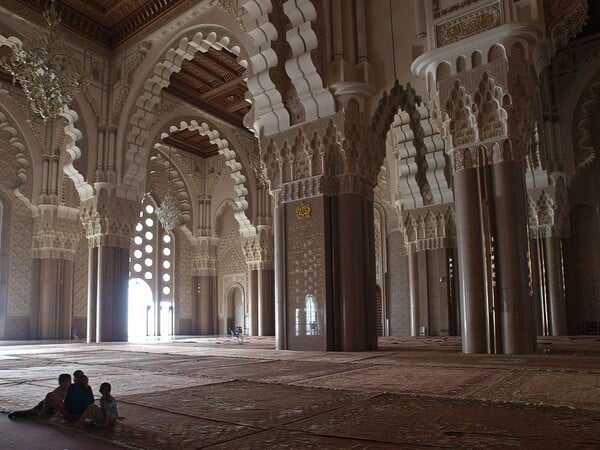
106 415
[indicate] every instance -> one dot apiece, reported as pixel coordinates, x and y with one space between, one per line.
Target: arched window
152 261
310 311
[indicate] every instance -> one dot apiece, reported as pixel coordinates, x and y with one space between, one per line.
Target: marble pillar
266 303
325 274
514 312
55 293
470 261
204 309
556 296
92 289
253 302
279 243
355 270
413 285
536 292
110 297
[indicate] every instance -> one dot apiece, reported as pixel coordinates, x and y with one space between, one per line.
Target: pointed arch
234 164
144 116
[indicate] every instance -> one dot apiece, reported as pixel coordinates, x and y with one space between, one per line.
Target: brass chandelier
168 212
45 69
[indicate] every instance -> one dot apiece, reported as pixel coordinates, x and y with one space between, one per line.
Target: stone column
279 278
536 300
470 259
112 286
55 287
554 274
266 303
514 306
413 285
108 288
56 236
92 289
355 273
253 302
204 307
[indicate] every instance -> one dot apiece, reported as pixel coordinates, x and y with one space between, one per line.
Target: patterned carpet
410 394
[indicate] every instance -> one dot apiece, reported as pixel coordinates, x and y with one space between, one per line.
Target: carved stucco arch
84 189
220 210
144 116
234 164
22 153
271 115
302 40
180 184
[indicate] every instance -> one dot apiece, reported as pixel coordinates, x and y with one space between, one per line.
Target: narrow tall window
152 261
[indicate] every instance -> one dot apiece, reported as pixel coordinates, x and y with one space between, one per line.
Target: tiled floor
412 393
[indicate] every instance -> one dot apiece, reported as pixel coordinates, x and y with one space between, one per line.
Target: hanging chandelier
45 69
168 212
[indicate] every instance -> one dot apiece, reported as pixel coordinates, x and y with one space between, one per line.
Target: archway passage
212 80
140 309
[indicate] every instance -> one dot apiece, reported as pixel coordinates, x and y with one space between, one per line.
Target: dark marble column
514 310
413 286
55 291
354 273
470 261
536 300
556 297
92 290
266 303
280 278
111 294
204 308
253 302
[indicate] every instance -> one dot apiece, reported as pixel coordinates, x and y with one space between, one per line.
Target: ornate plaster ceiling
108 22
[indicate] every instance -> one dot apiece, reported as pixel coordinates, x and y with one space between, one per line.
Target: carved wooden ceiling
213 82
192 142
108 22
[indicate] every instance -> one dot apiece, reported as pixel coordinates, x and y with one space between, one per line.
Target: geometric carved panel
19 280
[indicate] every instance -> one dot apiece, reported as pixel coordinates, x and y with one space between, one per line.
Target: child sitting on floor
104 416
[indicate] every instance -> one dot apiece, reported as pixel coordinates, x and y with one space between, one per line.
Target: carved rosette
109 220
56 233
429 228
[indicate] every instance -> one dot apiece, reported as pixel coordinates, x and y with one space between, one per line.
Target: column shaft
413 285
253 303
517 330
112 285
470 257
204 305
279 281
556 298
92 293
356 273
266 304
536 300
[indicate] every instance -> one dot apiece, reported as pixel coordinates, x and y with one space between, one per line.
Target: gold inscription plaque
303 211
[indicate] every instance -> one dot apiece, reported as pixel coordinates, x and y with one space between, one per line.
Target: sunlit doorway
141 310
